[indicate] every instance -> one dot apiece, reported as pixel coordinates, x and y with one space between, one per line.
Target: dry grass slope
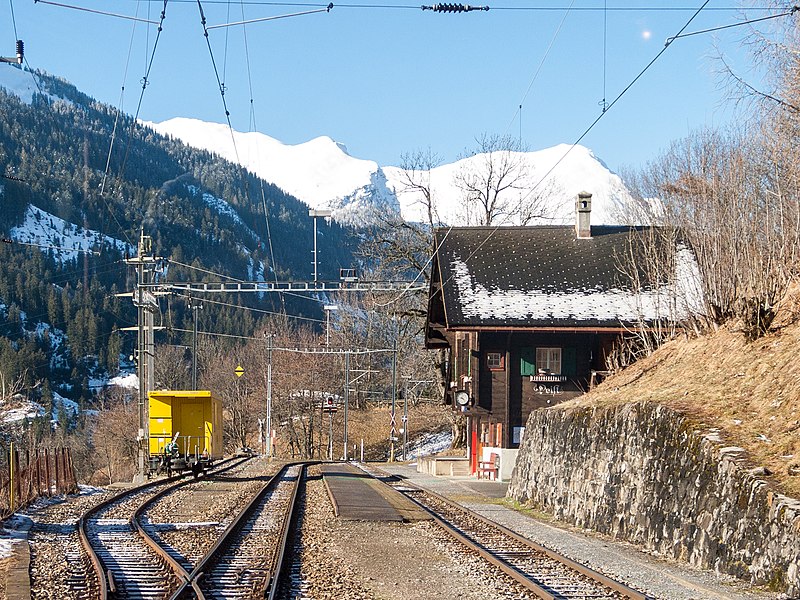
750 391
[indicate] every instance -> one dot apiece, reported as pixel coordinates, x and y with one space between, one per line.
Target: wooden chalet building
528 316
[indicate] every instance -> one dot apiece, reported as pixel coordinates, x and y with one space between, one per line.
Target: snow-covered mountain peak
318 172
322 174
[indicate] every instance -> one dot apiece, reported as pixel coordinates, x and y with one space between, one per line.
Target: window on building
549 359
494 361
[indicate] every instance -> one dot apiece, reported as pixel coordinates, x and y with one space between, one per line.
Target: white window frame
500 365
549 358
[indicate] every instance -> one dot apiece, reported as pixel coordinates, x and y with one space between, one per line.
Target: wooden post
16 476
11 478
47 471
27 474
73 481
58 474
38 473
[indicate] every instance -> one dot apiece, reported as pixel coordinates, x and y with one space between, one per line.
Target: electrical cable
254 127
539 68
793 10
114 131
206 271
421 271
251 309
13 19
603 103
145 82
584 134
94 11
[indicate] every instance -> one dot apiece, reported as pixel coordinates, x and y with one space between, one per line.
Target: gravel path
659 578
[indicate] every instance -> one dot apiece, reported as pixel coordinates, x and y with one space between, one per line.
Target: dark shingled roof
532 262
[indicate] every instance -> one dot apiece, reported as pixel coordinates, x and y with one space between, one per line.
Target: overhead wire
13 19
585 133
95 11
206 271
603 103
254 127
145 82
421 271
120 106
539 68
532 8
250 309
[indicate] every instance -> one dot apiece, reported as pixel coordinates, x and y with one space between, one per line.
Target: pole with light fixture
328 308
317 213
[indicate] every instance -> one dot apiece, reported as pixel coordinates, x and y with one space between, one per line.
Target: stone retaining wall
642 473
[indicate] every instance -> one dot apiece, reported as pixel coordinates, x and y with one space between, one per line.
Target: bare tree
172 368
495 180
735 205
114 441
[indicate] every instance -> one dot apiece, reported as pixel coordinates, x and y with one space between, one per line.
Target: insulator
20 50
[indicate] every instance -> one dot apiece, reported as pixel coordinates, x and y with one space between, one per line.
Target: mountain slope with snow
323 175
549 181
318 172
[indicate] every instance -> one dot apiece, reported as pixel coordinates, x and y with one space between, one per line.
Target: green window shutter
527 361
569 362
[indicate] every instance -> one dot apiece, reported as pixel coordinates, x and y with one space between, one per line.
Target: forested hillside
60 315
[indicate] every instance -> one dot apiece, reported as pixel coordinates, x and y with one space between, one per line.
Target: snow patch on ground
67 240
222 207
429 443
127 381
26 410
58 339
65 406
20 83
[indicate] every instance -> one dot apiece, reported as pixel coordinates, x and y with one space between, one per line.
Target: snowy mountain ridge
323 175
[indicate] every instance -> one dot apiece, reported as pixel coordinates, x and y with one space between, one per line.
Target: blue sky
383 79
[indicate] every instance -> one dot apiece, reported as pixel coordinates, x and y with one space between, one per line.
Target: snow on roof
544 277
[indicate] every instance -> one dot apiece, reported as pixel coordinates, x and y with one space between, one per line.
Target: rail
519 575
227 538
104 576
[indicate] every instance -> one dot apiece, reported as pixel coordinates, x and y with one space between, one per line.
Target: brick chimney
583 215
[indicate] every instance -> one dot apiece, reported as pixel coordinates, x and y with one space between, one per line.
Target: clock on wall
462 398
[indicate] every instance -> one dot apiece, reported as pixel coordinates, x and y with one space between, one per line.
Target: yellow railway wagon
194 416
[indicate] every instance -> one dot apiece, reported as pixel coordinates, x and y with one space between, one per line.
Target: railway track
545 573
127 562
248 557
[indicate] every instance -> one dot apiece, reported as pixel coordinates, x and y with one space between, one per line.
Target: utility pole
393 436
317 213
146 305
194 306
346 397
269 395
405 415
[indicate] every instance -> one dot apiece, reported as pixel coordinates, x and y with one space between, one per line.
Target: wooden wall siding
508 396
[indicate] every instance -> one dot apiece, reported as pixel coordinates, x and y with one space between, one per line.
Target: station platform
358 497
